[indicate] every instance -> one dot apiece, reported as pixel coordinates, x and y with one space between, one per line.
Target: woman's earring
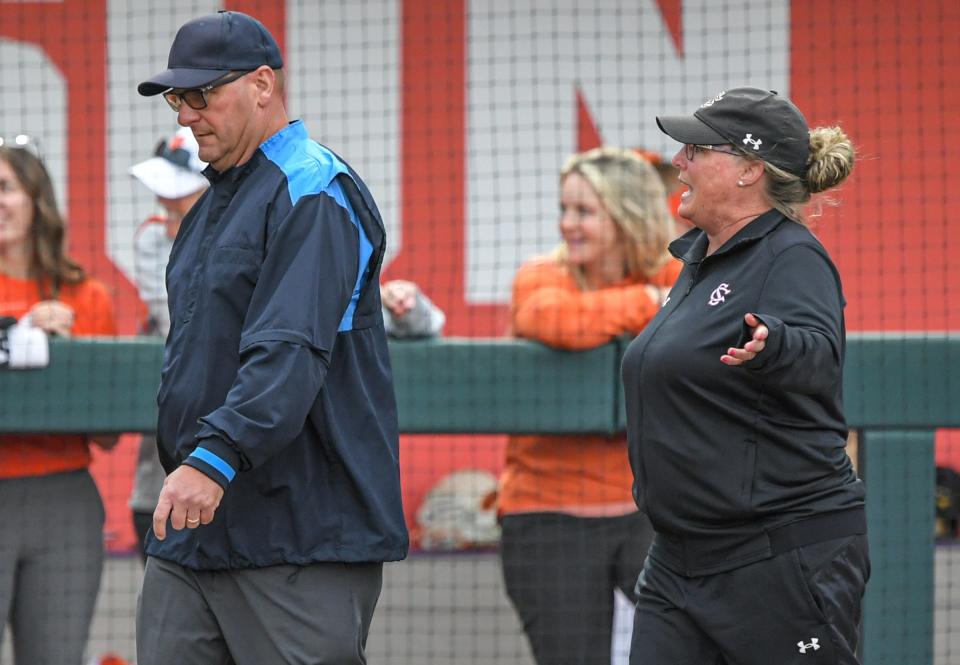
740 182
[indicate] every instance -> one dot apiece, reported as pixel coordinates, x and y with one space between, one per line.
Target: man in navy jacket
278 424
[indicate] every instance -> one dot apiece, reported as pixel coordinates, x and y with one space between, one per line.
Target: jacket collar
235 173
692 245
293 132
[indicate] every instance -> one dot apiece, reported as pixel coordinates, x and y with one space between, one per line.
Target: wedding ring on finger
194 521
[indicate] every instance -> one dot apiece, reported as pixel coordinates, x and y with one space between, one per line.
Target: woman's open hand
750 350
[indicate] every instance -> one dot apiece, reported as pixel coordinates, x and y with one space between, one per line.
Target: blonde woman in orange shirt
51 534
571 531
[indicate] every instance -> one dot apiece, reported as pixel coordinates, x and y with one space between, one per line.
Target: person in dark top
735 424
277 418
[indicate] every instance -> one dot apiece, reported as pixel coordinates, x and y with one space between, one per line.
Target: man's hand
750 350
189 498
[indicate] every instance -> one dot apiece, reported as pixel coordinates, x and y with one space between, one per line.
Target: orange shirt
576 474
41 454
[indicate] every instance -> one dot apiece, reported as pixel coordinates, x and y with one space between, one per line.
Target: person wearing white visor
175 170
174 175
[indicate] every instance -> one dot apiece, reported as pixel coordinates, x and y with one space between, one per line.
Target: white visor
166 179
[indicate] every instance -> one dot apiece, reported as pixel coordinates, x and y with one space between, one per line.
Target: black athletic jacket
733 464
276 380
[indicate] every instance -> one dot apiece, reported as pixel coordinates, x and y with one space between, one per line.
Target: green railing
898 390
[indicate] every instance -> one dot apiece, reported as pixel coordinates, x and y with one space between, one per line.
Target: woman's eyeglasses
691 150
22 142
196 98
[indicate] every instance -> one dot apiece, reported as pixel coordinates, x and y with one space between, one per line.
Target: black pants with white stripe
801 607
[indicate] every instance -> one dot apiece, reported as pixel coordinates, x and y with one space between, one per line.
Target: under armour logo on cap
711 102
738 117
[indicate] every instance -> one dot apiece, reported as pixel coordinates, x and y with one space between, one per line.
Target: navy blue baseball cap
211 46
760 122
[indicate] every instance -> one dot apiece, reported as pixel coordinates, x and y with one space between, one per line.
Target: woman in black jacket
734 412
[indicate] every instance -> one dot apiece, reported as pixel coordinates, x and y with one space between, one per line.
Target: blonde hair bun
831 158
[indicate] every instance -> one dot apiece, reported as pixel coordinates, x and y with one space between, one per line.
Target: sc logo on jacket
719 294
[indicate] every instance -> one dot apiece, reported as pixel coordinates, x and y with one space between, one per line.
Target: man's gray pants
294 615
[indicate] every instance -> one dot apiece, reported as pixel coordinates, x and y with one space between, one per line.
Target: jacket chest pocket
230 276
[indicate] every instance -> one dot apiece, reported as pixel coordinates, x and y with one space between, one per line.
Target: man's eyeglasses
196 98
691 150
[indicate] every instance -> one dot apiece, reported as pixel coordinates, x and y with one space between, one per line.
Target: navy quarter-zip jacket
725 458
276 380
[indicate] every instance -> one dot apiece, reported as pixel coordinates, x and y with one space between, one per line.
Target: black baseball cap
211 46
760 122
